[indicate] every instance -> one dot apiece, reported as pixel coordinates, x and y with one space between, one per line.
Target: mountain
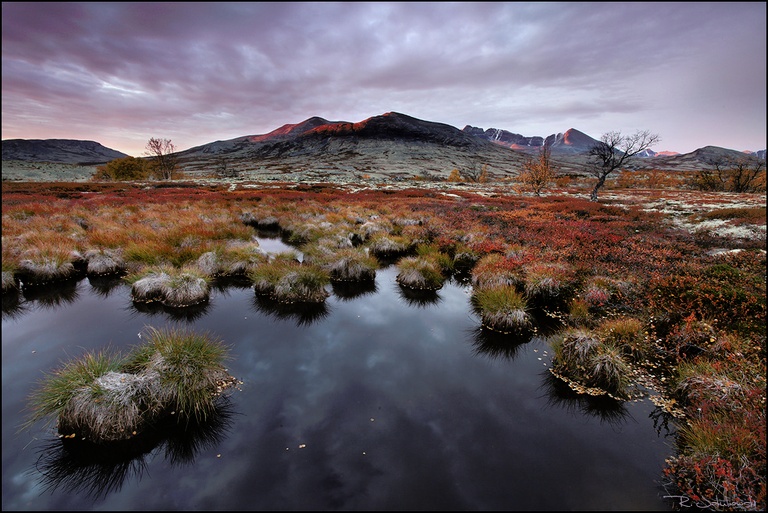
315 134
698 159
388 146
392 145
62 151
568 143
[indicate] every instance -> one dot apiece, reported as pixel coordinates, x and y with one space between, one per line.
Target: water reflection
499 345
661 420
13 306
187 313
303 314
53 296
347 291
418 298
96 470
104 286
371 403
602 407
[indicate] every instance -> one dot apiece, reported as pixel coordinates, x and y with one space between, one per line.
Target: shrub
127 168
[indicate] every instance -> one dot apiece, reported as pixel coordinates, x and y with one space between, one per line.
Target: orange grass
628 272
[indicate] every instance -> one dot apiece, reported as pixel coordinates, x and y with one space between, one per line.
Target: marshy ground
663 288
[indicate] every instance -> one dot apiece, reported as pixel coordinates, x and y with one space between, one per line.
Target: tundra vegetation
656 291
107 397
614 152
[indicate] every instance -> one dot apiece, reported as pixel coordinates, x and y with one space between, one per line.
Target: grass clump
104 262
189 370
236 258
47 267
388 246
288 281
52 397
590 365
502 308
546 282
171 287
495 269
105 397
352 265
422 273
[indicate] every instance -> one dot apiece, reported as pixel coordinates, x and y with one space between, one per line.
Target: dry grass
667 260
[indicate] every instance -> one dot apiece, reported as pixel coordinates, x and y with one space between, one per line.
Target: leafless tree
163 154
746 174
538 172
614 151
476 173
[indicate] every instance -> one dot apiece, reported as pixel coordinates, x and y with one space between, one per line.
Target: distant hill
61 151
570 142
391 145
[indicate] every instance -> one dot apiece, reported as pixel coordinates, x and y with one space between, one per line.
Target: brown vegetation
640 287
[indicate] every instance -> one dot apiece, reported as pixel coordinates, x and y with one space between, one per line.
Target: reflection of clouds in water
28 490
451 429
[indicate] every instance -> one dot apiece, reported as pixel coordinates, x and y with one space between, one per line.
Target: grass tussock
176 288
104 262
693 302
288 281
421 273
105 397
591 365
502 308
495 269
352 265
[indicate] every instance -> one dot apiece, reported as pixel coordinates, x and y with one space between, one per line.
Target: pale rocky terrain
20 171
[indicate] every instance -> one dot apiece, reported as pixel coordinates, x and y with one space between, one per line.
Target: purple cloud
120 73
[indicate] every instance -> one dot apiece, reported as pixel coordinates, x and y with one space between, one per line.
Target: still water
378 400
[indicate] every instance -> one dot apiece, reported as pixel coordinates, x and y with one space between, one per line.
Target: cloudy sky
120 73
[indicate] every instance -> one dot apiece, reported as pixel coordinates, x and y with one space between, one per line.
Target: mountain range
65 151
395 144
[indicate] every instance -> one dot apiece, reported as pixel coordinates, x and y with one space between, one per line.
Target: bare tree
476 173
163 154
614 151
745 174
538 172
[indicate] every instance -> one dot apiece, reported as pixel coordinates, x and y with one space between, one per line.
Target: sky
121 73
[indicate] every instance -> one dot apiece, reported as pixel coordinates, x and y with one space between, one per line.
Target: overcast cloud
120 73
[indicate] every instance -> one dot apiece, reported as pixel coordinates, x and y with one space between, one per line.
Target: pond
378 400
